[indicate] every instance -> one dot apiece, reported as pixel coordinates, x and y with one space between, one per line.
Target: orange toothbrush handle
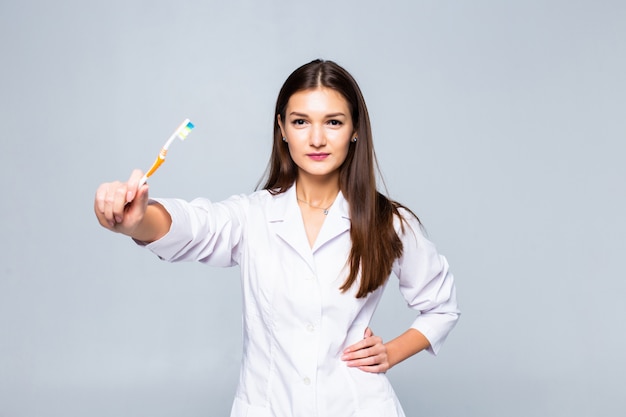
157 163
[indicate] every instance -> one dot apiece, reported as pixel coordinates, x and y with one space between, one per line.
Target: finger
135 210
375 369
368 333
109 202
363 344
361 358
142 193
118 202
132 184
99 199
369 352
99 206
375 364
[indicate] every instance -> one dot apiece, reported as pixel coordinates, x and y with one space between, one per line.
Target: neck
317 192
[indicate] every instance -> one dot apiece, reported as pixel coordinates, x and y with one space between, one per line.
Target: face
318 127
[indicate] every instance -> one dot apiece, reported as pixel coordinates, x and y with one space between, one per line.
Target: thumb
368 333
133 185
137 207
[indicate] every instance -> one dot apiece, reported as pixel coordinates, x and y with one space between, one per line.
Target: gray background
500 123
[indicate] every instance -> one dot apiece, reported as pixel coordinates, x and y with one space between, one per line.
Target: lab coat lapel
286 221
337 222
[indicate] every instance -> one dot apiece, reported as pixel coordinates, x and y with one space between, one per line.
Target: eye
335 122
298 122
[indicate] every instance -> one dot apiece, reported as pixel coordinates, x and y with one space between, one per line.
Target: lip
318 156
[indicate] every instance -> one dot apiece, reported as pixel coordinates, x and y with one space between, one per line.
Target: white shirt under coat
296 321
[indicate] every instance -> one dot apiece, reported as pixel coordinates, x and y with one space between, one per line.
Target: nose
317 138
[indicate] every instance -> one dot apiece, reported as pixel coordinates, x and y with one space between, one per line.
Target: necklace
315 207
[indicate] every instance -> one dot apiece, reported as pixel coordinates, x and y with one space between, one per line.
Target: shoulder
408 226
257 203
403 216
256 198
261 198
235 206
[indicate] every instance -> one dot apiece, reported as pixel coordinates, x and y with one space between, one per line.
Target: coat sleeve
426 284
203 231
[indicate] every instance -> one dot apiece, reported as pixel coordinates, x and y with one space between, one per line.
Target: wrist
155 224
406 345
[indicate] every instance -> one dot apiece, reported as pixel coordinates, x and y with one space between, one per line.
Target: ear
280 125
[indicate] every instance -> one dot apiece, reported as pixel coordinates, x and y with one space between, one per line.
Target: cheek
294 133
344 141
345 148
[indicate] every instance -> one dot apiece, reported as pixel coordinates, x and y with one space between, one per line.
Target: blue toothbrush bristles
185 130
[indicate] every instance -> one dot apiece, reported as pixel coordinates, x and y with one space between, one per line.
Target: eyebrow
338 114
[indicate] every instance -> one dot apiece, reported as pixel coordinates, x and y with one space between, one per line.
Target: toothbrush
181 133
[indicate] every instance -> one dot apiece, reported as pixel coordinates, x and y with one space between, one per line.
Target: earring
284 139
354 139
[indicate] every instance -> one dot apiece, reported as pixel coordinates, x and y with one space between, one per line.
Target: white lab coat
296 321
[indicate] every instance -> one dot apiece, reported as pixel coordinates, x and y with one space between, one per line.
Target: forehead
318 100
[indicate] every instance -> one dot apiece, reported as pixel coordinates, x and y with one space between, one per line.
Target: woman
315 247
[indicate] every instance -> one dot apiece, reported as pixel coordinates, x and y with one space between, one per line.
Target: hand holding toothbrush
123 206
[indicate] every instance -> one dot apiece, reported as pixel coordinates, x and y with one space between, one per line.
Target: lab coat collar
286 221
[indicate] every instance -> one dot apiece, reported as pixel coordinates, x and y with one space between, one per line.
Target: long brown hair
375 243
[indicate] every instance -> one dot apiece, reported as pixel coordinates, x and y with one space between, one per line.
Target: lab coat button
310 327
307 381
